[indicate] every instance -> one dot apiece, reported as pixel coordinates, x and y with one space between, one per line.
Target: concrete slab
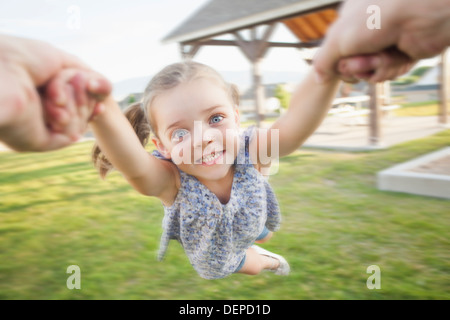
406 178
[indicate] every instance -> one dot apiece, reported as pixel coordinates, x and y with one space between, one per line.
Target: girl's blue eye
216 119
178 135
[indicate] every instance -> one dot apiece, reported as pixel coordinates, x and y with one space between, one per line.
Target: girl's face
197 128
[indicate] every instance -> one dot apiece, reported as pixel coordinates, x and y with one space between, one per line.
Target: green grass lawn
56 212
418 109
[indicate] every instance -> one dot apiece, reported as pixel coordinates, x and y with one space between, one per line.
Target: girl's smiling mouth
213 158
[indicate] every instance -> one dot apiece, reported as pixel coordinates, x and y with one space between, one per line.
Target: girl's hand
383 66
72 99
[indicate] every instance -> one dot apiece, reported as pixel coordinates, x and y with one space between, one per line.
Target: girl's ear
237 116
163 150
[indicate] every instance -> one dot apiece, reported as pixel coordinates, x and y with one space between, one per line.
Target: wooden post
255 50
387 100
375 134
258 91
444 90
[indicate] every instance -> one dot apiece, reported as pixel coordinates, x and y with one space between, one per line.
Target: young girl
215 205
205 171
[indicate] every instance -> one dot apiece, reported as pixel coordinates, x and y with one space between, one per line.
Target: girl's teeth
211 157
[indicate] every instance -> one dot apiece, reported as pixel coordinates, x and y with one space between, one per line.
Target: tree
283 95
131 99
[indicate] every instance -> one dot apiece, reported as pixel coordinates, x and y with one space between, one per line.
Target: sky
122 39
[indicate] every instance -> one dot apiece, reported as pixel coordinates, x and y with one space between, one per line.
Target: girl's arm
118 141
311 101
308 107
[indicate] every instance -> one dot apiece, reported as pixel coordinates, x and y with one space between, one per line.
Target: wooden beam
234 43
264 43
268 32
245 46
300 45
213 42
188 51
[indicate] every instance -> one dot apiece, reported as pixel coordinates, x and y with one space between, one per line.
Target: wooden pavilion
308 20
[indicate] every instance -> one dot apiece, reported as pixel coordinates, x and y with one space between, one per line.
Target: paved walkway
352 134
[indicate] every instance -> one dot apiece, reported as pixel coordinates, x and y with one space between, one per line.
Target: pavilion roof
307 19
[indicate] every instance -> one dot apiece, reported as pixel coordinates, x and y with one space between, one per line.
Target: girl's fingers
99 87
55 91
393 64
86 114
55 98
348 79
55 116
365 75
89 92
72 129
78 83
386 65
359 64
72 100
356 68
98 109
84 104
86 101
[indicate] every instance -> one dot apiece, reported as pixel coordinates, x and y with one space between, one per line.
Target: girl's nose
202 137
207 139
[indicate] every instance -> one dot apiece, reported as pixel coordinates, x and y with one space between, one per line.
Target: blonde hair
140 114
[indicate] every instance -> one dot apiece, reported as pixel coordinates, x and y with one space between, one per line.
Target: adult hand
386 65
25 68
81 106
417 28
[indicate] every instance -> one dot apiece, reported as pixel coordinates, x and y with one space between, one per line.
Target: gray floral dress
215 236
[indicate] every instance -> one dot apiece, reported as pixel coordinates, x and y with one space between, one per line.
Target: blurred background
55 211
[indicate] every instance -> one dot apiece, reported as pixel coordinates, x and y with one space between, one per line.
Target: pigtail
137 118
